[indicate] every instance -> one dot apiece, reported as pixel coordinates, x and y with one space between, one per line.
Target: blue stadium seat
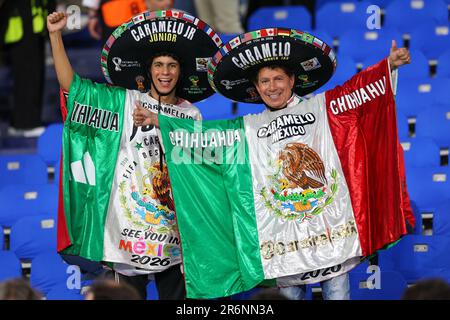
441 94
421 152
2 239
322 35
22 168
336 18
10 266
215 107
443 66
246 295
359 44
435 123
391 286
385 261
419 68
292 17
346 68
49 144
27 200
417 257
410 107
441 220
86 62
61 292
48 270
428 187
402 125
31 236
432 40
249 108
423 91
321 3
406 15
381 3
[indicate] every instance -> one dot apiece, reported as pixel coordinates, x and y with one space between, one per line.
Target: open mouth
274 96
165 83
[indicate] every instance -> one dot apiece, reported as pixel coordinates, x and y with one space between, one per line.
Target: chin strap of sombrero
161 155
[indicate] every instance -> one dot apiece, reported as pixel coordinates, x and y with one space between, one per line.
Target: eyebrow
166 63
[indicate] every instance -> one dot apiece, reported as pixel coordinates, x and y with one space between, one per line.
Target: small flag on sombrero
168 31
311 60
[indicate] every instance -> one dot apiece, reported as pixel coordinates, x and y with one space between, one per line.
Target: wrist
55 33
392 64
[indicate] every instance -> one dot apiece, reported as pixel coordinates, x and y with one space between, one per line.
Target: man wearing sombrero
301 192
283 67
118 206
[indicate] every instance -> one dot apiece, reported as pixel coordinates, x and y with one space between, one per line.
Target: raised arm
56 21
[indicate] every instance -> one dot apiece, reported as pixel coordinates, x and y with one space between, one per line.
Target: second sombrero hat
312 61
128 49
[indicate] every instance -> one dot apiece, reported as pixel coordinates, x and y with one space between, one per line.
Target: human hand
398 56
144 117
56 21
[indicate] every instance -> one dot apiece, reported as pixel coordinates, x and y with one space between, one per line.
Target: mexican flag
299 195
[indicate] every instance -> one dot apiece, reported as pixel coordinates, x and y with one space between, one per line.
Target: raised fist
56 21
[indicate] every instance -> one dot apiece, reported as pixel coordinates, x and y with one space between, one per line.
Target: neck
275 109
167 99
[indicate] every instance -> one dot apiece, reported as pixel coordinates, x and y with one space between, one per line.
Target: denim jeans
337 288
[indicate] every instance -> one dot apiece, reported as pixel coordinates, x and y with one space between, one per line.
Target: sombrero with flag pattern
127 51
312 61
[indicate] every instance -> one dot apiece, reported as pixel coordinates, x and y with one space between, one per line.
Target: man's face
154 5
165 72
274 86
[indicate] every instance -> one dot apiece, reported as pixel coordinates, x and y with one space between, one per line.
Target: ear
292 82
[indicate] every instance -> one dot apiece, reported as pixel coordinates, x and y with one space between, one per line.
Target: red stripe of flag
284 32
200 24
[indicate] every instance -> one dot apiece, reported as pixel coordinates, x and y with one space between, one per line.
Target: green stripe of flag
226 243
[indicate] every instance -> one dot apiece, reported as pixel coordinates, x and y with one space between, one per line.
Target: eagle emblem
299 188
302 166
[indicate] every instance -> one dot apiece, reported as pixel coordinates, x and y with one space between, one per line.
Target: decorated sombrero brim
127 51
312 61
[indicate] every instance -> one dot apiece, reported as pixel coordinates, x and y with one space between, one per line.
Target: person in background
428 289
106 15
22 37
111 290
253 5
223 16
18 289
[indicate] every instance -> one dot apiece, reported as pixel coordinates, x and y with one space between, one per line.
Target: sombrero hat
312 61
127 51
